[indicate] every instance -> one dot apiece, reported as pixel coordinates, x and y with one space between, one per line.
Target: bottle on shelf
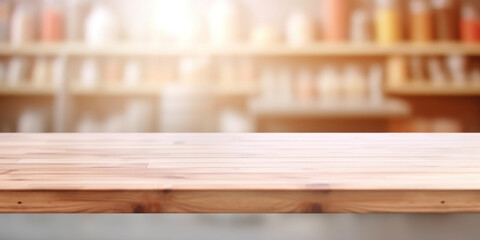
361 26
265 35
247 70
153 73
417 70
17 71
300 29
267 84
89 73
41 72
355 86
305 86
445 20
51 22
22 24
436 72
285 90
72 19
5 12
420 21
132 73
227 72
387 21
335 20
457 65
232 120
397 71
225 22
375 84
112 71
100 26
329 85
469 23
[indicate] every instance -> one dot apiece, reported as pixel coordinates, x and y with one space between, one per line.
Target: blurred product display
240 65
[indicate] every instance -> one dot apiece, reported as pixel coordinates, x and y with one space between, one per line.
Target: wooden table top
226 173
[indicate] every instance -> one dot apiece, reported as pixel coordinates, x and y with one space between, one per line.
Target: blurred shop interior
240 66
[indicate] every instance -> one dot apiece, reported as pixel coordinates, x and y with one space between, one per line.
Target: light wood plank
210 172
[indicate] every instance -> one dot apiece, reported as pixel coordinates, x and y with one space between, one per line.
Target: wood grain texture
229 173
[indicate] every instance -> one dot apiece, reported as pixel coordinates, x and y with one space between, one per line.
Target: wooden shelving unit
143 90
387 109
320 50
26 90
431 90
317 49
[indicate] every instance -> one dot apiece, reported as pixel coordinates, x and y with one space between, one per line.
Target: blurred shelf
147 90
316 49
116 91
429 90
237 90
26 90
389 109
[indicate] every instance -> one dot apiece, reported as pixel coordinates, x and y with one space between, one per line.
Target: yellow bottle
387 22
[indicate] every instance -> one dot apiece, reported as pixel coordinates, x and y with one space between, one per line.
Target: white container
457 68
360 26
300 29
329 85
265 35
268 85
234 121
132 75
354 84
100 26
89 73
225 22
17 71
375 84
41 72
22 22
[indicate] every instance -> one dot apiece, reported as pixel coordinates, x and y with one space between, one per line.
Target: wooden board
248 173
241 49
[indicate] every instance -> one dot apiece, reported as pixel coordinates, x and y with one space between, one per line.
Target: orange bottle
470 24
51 23
335 20
421 21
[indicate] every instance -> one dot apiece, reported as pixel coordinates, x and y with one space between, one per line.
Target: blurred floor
239 226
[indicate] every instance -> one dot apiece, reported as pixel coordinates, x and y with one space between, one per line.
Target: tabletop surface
241 167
